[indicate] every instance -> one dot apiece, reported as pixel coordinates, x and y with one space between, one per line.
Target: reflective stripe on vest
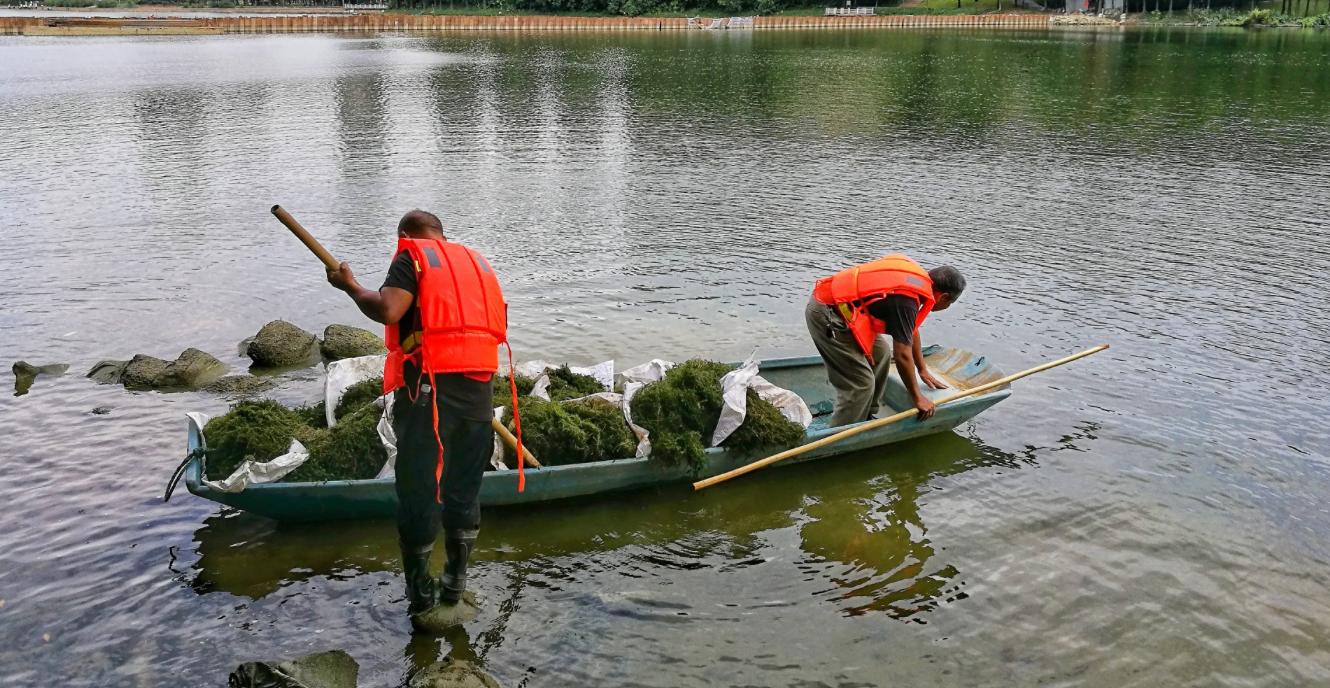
851 291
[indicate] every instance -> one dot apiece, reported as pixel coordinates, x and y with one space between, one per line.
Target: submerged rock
26 373
280 344
441 617
344 341
192 369
240 386
107 372
453 673
331 669
144 372
100 410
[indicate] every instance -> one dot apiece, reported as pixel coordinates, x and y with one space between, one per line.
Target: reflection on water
857 519
671 196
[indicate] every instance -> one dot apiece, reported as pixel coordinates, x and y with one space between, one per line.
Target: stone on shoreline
107 372
144 372
26 373
344 341
453 673
192 369
280 344
331 669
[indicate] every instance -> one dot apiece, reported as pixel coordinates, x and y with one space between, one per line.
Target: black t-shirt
467 397
898 312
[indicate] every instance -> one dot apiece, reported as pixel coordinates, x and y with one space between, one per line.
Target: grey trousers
859 385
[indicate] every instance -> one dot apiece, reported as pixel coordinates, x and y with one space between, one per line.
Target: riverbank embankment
370 23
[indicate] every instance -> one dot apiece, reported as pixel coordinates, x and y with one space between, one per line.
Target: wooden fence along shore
370 23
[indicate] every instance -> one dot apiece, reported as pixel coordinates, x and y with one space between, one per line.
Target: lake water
1154 515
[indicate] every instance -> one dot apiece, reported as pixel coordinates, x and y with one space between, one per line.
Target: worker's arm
924 375
903 355
386 305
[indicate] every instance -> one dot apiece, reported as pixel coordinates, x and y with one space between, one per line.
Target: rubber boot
458 543
421 592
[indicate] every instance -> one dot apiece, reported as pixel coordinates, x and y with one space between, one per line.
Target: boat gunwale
194 470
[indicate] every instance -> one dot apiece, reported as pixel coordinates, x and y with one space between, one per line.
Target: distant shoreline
207 23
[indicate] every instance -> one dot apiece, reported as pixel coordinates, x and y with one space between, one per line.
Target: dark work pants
467 445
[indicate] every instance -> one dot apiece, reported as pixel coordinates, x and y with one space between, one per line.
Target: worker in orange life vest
850 312
445 318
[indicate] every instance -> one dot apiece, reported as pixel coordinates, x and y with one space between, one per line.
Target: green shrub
1260 18
681 412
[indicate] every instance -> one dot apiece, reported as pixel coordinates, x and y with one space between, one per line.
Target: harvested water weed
683 408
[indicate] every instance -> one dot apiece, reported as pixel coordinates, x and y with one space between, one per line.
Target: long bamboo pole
318 250
511 441
870 425
305 237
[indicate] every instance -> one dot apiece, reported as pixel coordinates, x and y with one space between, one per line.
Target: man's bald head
418 224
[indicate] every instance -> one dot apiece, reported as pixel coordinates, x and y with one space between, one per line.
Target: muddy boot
458 543
421 592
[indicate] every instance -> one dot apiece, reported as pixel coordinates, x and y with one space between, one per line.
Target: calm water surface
1153 516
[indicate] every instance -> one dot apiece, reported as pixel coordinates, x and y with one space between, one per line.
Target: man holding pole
851 310
445 318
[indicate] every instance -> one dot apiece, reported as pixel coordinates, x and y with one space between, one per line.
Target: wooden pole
313 245
305 237
511 441
872 424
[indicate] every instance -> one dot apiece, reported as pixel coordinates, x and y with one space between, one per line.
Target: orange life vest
463 320
851 291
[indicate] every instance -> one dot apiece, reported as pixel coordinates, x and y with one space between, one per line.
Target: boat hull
361 499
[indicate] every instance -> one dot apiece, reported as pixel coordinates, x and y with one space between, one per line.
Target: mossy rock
26 373
192 369
331 669
344 341
681 412
252 430
107 372
279 344
144 372
453 673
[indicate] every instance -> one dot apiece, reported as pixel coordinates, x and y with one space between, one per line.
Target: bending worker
445 318
851 310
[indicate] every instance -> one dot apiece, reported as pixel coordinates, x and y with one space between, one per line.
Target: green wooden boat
358 499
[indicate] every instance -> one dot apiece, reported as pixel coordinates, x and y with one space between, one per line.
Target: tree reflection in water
859 522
